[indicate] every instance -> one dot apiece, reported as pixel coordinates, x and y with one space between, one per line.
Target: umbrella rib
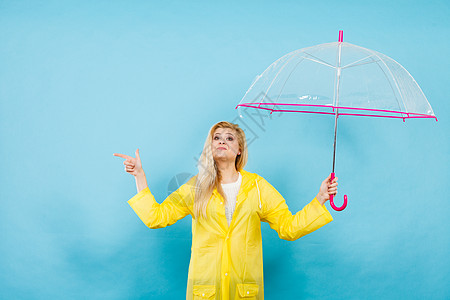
355 62
294 53
412 78
281 91
318 60
361 64
396 114
265 94
259 76
387 77
393 79
302 58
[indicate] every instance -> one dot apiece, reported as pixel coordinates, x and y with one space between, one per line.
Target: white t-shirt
231 191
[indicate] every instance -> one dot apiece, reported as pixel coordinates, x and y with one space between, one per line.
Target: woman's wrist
320 199
141 181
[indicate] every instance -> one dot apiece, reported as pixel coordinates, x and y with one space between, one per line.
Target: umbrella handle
332 196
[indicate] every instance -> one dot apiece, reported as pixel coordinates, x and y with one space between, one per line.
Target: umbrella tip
341 36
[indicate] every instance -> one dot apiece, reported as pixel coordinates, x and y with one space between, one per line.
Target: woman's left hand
327 188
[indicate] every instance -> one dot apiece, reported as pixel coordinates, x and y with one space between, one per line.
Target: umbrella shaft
336 102
334 144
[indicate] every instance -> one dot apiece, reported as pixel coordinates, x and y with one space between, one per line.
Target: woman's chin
223 158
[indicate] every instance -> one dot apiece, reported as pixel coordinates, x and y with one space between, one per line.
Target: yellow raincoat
226 262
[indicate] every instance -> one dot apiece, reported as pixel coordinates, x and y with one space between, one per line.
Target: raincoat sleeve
290 227
175 207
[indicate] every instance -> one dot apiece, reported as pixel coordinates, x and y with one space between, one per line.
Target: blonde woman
227 205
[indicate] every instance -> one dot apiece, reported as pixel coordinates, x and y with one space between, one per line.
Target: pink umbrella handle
332 196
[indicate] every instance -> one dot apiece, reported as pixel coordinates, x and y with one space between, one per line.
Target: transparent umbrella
338 79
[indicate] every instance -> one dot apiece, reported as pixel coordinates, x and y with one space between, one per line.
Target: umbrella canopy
338 79
370 84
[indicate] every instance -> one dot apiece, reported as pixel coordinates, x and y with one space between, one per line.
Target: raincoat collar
247 181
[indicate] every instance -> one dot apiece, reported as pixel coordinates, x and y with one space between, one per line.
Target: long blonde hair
208 174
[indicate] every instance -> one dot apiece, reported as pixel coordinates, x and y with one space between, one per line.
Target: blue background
81 80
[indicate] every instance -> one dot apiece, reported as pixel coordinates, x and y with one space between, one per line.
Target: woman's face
225 146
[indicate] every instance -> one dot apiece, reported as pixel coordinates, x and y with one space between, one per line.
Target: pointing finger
122 155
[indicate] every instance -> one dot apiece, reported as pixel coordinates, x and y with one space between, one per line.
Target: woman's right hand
132 165
326 189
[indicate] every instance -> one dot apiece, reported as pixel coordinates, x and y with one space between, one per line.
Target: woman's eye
230 138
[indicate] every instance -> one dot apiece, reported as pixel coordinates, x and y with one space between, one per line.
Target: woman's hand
327 188
132 165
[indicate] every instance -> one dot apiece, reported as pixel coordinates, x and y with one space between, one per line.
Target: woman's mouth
221 148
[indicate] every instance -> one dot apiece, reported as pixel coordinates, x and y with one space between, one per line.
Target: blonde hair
209 176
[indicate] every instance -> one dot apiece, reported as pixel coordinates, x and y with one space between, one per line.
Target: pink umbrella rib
402 114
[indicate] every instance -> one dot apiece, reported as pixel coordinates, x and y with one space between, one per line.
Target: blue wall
81 80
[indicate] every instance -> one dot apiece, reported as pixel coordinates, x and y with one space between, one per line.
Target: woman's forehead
224 131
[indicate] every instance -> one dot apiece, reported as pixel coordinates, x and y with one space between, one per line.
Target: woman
227 205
